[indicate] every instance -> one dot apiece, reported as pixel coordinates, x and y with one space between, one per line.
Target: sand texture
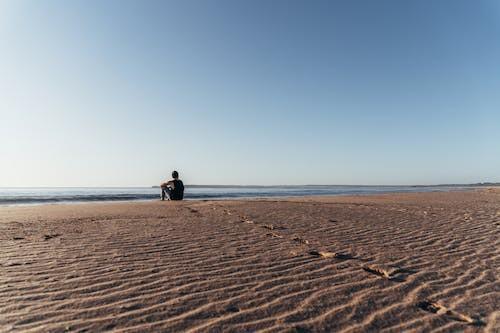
424 262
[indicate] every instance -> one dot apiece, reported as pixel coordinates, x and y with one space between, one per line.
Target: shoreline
228 198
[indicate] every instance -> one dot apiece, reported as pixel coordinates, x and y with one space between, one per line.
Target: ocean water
30 196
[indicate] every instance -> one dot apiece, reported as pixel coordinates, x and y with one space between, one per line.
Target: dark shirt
178 190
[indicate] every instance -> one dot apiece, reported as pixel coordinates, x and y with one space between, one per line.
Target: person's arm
170 183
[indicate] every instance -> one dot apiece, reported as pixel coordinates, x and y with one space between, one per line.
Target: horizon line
274 185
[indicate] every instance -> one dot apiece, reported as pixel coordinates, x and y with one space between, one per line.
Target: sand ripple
389 263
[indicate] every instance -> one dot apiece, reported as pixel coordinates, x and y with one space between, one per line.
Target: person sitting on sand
173 189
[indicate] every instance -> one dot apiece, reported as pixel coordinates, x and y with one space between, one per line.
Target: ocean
51 195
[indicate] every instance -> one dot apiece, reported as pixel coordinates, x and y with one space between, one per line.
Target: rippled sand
409 262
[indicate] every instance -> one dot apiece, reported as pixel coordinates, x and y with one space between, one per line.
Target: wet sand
387 263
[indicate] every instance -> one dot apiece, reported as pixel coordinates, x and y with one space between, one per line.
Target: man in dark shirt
173 189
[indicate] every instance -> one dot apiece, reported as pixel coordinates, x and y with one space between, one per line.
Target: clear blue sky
117 93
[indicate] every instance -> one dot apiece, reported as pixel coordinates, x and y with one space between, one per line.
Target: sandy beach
387 263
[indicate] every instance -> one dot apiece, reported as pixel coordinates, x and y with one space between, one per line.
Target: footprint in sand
326 255
442 310
300 240
47 237
322 254
272 227
388 273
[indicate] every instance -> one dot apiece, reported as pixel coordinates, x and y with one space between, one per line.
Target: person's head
175 174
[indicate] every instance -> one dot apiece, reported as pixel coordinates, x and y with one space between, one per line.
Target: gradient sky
119 93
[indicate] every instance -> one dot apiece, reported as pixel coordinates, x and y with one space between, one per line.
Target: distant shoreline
21 197
312 185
